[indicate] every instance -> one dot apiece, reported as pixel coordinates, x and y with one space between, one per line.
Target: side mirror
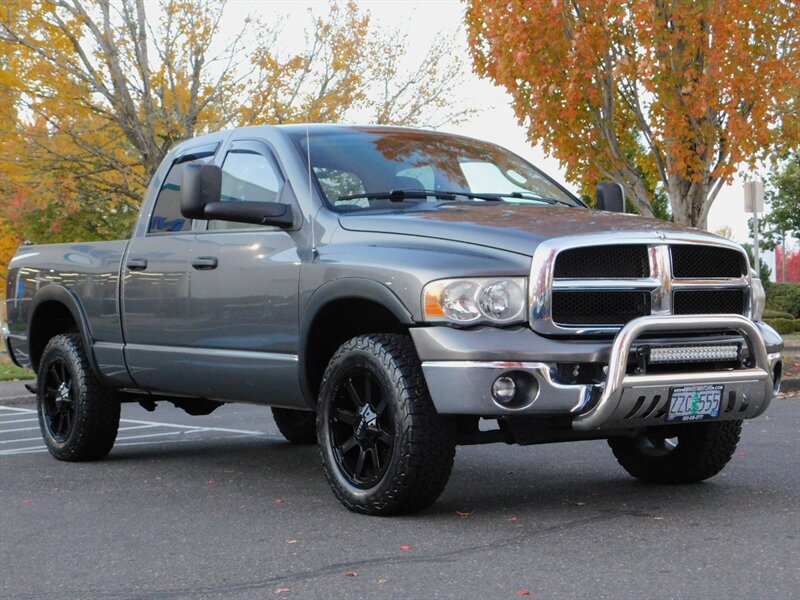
610 197
244 211
200 185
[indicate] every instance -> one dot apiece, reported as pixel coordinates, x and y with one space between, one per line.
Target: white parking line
22 450
19 429
33 439
15 409
196 428
175 431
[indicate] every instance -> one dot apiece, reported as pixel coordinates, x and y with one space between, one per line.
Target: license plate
694 402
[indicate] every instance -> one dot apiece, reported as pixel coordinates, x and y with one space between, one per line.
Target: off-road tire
297 426
702 451
96 409
423 447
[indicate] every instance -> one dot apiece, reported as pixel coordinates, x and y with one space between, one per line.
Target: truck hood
513 227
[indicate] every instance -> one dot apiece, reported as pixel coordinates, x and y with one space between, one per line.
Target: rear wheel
686 454
297 426
78 416
384 448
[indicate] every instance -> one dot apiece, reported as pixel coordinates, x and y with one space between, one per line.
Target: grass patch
9 372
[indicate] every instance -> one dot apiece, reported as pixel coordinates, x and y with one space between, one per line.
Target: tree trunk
689 201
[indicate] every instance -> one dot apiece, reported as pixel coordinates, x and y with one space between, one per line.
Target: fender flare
58 293
345 288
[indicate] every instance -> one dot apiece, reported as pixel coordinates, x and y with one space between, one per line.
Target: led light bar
678 354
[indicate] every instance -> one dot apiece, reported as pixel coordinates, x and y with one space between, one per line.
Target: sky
495 122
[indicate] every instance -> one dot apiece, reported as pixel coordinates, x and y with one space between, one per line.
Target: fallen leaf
291 541
463 514
211 482
351 574
283 590
279 501
658 518
523 592
512 519
404 547
27 501
580 504
382 581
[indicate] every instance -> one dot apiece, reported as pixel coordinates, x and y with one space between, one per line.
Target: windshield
358 168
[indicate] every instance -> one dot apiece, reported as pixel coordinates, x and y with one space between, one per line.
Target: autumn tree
681 92
93 94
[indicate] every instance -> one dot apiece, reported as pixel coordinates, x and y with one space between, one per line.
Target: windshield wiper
400 195
536 197
415 194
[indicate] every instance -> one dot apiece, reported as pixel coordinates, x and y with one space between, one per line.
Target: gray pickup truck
393 293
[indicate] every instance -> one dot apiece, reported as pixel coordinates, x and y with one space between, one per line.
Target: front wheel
78 416
384 448
686 454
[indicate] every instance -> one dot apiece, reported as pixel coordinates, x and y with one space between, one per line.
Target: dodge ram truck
393 293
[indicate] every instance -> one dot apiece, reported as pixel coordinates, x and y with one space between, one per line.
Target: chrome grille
708 302
596 284
602 262
706 262
599 307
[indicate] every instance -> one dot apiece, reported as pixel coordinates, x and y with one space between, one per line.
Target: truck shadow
497 481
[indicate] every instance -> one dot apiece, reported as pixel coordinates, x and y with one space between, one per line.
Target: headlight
757 297
469 301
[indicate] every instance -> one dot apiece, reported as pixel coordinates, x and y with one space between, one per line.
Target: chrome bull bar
641 400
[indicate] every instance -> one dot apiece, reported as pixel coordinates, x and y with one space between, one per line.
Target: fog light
504 389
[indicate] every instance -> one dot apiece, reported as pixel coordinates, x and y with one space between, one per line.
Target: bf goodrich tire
78 416
384 449
297 426
697 452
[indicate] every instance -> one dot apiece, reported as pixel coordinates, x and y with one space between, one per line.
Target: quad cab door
156 287
243 311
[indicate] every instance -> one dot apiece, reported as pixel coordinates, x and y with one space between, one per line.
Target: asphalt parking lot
221 507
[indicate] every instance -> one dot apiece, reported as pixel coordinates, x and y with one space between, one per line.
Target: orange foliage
682 92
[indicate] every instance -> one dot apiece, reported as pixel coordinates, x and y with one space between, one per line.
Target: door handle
136 264
205 263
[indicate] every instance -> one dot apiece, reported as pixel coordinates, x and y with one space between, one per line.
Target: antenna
310 195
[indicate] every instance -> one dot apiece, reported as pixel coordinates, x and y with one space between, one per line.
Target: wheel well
50 319
336 323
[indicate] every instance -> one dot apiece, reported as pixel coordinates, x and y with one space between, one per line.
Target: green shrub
782 326
784 297
776 314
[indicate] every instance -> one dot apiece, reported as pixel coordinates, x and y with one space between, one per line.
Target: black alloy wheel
58 403
683 454
384 448
78 415
361 429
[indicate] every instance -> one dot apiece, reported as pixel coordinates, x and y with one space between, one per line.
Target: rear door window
167 217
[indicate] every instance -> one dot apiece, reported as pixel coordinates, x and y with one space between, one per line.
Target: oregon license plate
694 402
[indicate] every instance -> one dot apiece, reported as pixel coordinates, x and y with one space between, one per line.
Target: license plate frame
691 403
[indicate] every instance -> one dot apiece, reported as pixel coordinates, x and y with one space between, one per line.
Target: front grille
599 262
599 307
704 302
706 262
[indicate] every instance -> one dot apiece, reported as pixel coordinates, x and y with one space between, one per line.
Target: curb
790 384
12 392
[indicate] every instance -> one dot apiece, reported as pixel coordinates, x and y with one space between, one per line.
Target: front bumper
623 400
